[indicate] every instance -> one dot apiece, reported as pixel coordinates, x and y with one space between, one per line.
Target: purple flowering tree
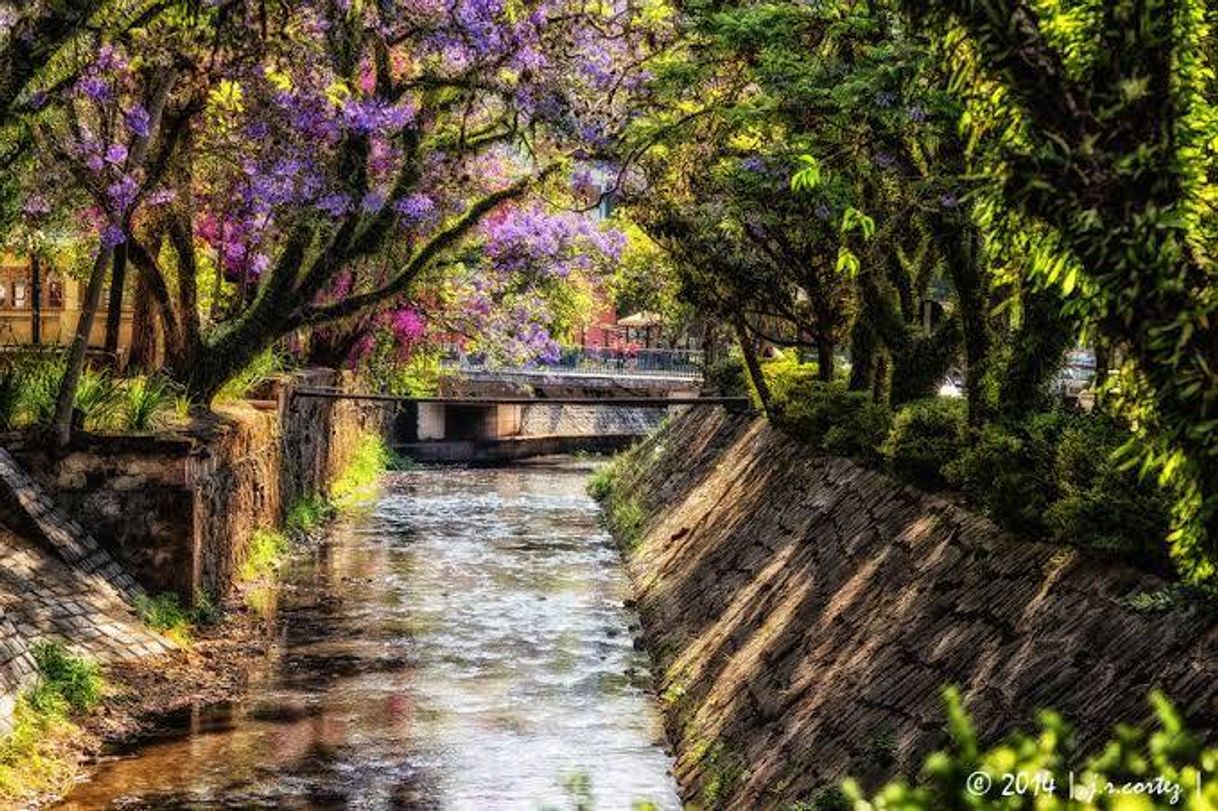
312 174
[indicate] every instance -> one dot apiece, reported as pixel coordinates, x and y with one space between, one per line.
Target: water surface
462 645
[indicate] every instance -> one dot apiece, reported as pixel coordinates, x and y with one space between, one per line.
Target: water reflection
463 645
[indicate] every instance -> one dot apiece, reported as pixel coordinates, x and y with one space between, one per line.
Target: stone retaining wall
178 510
805 613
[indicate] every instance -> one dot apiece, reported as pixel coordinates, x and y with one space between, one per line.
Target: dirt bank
805 613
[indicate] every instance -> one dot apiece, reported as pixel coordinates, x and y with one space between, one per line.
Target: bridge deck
653 402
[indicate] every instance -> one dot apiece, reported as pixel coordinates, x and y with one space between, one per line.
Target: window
19 295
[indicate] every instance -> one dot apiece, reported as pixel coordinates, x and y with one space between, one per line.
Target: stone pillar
431 421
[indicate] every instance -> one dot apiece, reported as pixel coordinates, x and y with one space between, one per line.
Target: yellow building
52 318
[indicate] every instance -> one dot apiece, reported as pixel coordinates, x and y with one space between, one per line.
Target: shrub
1170 756
926 436
1008 473
1102 506
828 415
725 376
97 398
40 376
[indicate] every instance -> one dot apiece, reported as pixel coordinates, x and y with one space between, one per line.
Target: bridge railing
681 363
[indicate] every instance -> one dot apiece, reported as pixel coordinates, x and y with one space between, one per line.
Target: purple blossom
138 121
94 87
122 193
373 201
116 154
822 212
336 204
883 160
753 163
948 200
415 208
916 113
162 196
885 98
112 236
36 205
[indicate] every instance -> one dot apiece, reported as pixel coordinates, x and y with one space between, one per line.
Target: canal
462 644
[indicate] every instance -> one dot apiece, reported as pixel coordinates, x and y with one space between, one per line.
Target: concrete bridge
491 429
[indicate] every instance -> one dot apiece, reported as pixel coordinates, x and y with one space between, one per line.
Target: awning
643 319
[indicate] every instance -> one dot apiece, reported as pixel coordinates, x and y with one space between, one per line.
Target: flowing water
462 645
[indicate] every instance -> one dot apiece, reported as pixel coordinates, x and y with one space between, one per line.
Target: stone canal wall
805 613
178 510
84 532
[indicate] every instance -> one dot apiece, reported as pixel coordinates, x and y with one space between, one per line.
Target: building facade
41 306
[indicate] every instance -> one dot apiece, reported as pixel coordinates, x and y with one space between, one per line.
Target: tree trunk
752 366
61 428
36 292
143 354
824 359
114 307
960 245
1038 351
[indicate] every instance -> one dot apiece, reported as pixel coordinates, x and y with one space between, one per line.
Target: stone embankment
167 513
805 613
57 583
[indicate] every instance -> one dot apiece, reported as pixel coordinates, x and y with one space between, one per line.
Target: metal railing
575 361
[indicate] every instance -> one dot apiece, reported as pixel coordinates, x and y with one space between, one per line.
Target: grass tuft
37 757
356 485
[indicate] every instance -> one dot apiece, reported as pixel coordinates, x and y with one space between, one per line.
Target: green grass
145 400
357 483
600 483
267 550
165 614
307 514
37 758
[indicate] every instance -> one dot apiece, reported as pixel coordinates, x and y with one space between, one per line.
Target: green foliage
67 683
165 614
1057 474
1008 471
264 366
1112 508
35 757
357 482
926 435
144 401
39 376
306 514
601 482
827 416
264 555
97 398
726 376
1169 763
